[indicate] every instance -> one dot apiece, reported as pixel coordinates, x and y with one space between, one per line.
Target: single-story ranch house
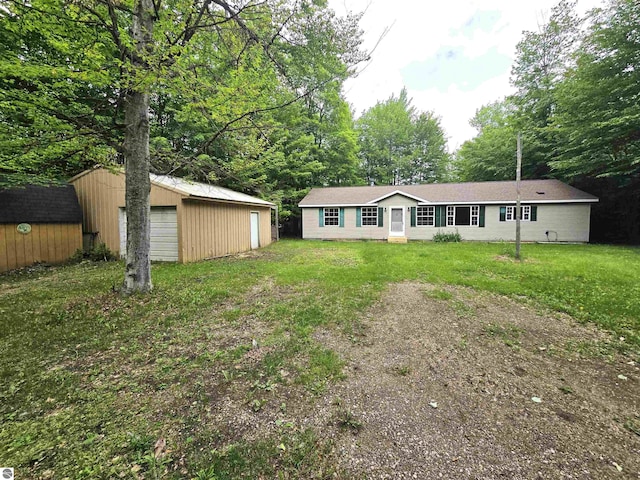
38 224
190 221
551 211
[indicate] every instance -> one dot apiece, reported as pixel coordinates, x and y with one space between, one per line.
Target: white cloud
420 29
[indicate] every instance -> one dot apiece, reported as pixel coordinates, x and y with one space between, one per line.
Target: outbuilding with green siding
484 211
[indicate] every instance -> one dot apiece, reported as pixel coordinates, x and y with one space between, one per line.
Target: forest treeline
271 119
577 105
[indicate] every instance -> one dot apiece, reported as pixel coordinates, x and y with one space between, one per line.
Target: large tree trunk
137 276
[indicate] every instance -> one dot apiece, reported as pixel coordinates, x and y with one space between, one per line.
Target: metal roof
532 191
193 189
203 190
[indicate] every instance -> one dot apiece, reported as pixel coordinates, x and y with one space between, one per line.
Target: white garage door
164 233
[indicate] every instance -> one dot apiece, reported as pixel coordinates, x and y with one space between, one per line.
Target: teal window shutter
441 212
341 220
503 214
321 217
358 216
481 216
380 217
413 216
534 213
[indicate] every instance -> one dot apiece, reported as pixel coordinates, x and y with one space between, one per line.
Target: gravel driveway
447 382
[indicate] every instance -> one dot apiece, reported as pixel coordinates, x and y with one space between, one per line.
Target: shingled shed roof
538 191
38 204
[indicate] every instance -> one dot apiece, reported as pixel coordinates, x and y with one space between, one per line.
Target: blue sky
453 56
451 66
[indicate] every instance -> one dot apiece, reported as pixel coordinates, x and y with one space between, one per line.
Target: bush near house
444 237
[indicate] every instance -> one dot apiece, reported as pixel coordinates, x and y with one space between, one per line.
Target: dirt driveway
446 382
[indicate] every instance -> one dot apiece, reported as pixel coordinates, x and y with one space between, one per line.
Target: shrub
99 253
447 237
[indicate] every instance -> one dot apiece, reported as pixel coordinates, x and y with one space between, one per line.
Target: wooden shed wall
213 229
47 242
101 194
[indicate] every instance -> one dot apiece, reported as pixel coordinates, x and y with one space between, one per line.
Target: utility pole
518 168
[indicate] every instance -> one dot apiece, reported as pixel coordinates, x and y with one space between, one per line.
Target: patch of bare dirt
447 386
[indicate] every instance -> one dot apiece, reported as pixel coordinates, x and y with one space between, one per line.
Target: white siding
311 228
565 222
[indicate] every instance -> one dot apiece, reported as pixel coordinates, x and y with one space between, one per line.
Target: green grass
89 380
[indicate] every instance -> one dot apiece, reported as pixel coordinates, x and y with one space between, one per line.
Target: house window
525 213
370 216
463 216
451 215
475 215
331 216
425 216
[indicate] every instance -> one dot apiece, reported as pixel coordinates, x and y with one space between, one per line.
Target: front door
255 230
396 228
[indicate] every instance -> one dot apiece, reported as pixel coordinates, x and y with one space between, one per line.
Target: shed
190 221
38 224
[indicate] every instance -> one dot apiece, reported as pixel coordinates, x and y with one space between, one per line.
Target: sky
453 56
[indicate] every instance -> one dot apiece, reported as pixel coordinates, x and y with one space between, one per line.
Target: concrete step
397 240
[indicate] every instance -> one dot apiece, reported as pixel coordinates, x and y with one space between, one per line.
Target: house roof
39 204
203 190
538 191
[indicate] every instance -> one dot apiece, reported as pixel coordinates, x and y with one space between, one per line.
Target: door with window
396 225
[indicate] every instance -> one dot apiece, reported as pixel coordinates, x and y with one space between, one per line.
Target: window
475 215
425 216
511 213
331 216
451 215
369 216
525 213
463 216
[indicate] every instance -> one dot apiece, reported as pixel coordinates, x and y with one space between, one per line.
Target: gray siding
311 228
565 222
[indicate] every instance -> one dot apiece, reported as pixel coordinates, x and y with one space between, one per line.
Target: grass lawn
91 380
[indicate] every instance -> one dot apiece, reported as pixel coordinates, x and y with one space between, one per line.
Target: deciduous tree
399 145
86 81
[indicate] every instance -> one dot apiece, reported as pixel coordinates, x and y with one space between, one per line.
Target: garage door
164 233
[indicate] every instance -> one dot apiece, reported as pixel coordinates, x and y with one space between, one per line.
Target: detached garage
38 224
190 221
